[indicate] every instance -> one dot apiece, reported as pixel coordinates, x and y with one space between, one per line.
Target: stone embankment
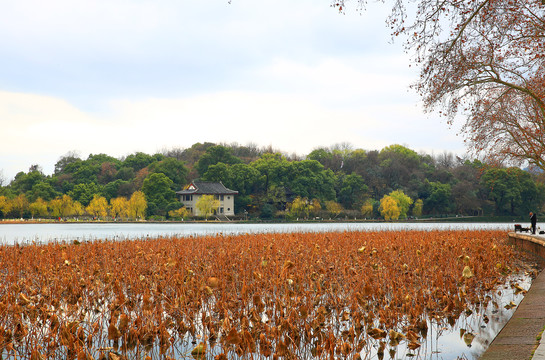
521 336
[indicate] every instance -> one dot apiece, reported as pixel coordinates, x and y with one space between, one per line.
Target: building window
221 197
221 210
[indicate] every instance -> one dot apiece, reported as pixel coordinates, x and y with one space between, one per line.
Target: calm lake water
21 233
443 343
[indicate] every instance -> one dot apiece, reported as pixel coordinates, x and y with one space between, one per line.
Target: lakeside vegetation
328 183
296 295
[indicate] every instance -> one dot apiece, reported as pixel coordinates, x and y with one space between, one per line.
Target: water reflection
474 330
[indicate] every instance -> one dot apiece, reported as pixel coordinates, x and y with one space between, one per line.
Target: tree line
392 183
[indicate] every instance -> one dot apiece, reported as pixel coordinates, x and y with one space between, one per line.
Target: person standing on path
533 221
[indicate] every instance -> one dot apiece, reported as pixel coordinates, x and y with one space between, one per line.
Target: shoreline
468 219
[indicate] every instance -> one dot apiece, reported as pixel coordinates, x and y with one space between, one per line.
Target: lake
444 342
33 232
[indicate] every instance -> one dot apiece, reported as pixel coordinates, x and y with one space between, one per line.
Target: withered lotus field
254 296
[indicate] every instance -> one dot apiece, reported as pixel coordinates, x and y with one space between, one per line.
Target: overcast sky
120 76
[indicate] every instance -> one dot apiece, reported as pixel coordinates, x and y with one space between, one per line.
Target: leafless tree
484 59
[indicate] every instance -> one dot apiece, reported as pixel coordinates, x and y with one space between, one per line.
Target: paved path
519 339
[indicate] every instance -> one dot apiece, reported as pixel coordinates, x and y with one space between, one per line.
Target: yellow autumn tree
20 204
119 207
404 202
138 205
180 213
78 209
314 207
417 208
62 206
367 208
38 208
389 208
98 207
333 207
299 207
5 205
206 205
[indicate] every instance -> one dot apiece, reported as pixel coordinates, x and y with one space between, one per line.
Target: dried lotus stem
298 295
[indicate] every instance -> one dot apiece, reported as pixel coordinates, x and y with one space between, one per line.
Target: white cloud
122 76
44 127
354 82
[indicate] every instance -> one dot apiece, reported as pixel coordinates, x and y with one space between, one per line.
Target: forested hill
395 182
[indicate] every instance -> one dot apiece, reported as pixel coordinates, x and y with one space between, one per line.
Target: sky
122 76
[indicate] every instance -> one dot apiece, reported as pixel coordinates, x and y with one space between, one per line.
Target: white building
191 194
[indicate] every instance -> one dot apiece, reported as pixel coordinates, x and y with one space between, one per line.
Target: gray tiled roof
207 188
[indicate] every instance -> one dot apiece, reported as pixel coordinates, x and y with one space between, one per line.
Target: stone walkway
520 337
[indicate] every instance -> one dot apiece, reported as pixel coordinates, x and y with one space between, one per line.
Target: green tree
352 190
125 173
308 178
326 158
174 169
219 172
66 160
207 205
275 172
214 155
43 190
503 188
118 188
159 194
399 165
268 211
85 192
440 199
356 162
513 190
140 160
23 183
88 171
192 155
241 177
531 194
